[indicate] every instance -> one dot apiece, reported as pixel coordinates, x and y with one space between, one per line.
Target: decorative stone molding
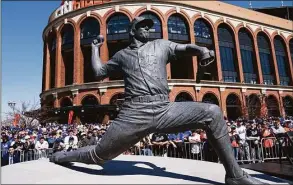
102 90
163 8
65 21
74 92
197 88
280 92
148 7
178 9
190 12
55 95
132 8
117 7
102 12
263 91
88 13
235 23
222 89
170 87
243 90
212 17
76 18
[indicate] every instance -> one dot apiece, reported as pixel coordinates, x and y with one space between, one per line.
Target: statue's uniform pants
148 114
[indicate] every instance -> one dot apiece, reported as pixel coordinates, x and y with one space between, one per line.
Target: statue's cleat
81 155
245 179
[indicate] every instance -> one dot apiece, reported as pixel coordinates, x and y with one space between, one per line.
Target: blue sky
22 46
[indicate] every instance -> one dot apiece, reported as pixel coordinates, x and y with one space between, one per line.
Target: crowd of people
246 137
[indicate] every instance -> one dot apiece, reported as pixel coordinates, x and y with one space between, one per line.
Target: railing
251 151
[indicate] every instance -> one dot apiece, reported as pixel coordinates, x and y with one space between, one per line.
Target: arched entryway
233 107
117 100
183 96
88 113
253 105
288 105
63 114
210 98
273 106
65 102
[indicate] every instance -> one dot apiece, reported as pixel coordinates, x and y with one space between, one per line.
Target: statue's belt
147 98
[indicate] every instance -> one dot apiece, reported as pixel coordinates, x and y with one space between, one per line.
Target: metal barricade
271 148
249 151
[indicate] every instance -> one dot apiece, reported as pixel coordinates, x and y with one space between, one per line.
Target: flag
70 116
16 119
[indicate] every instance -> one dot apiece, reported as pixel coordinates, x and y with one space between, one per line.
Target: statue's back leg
181 116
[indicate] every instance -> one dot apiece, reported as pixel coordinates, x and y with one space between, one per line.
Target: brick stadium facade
252 75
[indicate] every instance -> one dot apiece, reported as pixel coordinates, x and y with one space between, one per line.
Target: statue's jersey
143 68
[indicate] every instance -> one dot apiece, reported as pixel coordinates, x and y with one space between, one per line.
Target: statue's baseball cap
141 20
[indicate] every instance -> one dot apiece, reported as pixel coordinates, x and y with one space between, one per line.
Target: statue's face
142 32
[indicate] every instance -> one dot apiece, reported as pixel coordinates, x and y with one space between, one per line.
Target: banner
70 116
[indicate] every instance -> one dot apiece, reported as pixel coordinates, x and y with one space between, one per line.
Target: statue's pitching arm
204 55
101 70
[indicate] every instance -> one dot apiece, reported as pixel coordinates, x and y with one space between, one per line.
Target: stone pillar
56 100
58 61
104 52
259 70
277 77
223 101
47 66
166 37
240 67
217 53
281 104
76 54
290 63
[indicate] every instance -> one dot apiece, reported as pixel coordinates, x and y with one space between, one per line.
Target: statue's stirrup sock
95 158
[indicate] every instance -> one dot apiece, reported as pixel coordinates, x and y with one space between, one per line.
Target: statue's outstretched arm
204 55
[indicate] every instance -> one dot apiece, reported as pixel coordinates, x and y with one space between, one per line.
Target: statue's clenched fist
207 58
98 41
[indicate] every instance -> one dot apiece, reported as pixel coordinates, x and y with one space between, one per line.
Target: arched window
156 30
183 96
203 33
67 35
265 59
89 29
233 107
288 105
67 53
247 56
254 106
282 61
227 53
65 102
117 37
273 106
210 98
118 27
204 37
178 29
52 45
89 100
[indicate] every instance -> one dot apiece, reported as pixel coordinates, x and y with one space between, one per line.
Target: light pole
12 105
